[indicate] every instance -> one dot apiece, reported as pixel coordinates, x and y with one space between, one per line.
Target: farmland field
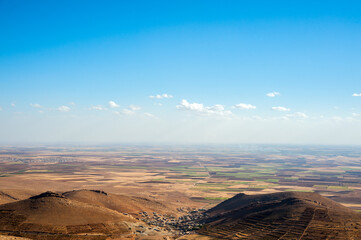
197 176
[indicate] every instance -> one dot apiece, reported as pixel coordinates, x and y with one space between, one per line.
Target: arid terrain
153 192
287 215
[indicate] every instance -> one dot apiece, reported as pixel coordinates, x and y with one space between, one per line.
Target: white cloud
12 104
297 115
72 103
281 109
98 107
131 110
134 108
35 105
356 115
161 96
344 119
185 105
356 95
64 109
147 114
273 94
127 112
245 106
112 104
216 110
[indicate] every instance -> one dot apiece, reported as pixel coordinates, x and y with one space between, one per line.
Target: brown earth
2 237
94 214
121 203
286 215
12 195
74 215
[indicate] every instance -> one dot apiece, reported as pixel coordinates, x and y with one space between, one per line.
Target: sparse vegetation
198 179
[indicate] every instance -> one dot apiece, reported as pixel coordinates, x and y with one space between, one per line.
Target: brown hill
288 215
120 203
2 237
50 215
12 195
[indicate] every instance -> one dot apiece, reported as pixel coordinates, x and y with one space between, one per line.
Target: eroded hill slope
288 215
60 216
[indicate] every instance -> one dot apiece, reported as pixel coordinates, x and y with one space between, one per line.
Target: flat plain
186 176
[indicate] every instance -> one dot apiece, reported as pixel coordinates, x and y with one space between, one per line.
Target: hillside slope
13 195
288 215
120 203
57 216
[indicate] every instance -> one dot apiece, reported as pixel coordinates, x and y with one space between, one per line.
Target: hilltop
95 214
284 215
74 215
120 203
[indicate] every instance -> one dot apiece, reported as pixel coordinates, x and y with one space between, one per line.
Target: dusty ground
194 177
3 237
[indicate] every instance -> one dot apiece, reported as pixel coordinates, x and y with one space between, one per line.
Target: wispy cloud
134 108
35 105
131 110
273 94
215 110
112 104
161 96
128 112
356 95
345 119
297 115
64 109
147 114
281 109
13 104
244 106
98 107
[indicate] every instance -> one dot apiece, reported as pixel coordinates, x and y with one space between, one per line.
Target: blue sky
84 71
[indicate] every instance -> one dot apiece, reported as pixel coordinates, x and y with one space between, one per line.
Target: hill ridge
285 215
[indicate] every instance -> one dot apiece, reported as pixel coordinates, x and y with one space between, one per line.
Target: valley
153 192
